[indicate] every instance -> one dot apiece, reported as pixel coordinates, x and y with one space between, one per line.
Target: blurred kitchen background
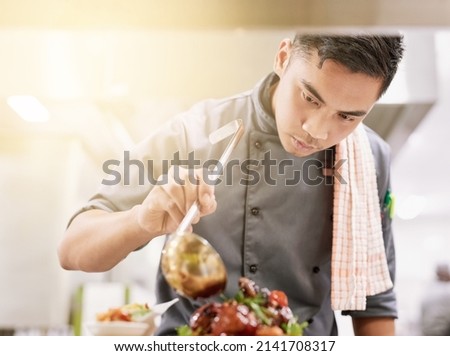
83 80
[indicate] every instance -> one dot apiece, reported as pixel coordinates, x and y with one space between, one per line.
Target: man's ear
282 57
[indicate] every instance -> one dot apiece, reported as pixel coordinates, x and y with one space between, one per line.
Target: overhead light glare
29 108
411 207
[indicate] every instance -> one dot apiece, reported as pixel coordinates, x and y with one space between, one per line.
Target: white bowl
144 326
117 328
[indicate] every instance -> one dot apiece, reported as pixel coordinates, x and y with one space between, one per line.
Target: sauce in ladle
192 267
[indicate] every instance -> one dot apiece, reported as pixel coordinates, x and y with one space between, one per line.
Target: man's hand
167 204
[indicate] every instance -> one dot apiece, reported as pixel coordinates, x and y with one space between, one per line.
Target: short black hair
375 55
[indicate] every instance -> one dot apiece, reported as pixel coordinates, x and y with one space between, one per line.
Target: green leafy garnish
136 311
293 328
259 311
184 330
255 304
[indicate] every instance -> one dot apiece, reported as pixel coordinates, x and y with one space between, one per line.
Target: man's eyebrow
354 113
314 92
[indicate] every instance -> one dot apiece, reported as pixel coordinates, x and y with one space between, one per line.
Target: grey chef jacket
273 221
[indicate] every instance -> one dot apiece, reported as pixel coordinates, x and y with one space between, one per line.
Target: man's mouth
301 145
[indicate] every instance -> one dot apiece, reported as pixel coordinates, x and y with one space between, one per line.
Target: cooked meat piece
201 319
248 287
234 319
264 330
229 318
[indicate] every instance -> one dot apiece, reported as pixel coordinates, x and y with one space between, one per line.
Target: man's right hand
167 204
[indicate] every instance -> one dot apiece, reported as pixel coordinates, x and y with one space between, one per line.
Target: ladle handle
188 218
193 210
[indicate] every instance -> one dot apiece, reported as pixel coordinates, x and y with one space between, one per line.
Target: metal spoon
188 262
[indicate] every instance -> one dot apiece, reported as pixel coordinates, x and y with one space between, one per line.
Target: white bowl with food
117 328
128 320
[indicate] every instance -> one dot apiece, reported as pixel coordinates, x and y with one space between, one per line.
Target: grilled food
253 311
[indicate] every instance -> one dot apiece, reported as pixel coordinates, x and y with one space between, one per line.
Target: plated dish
254 311
128 320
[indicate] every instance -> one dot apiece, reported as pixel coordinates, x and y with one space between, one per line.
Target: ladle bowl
192 266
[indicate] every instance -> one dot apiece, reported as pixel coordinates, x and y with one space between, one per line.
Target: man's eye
310 99
346 117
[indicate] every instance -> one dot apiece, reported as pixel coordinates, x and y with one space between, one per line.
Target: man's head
328 84
375 55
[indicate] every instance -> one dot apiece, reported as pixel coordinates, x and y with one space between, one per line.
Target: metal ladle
188 262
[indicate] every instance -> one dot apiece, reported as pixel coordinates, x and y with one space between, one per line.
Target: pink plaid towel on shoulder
358 264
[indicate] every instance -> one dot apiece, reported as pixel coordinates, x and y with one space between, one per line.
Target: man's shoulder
214 105
380 148
244 100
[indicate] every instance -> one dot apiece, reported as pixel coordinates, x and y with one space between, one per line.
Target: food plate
145 325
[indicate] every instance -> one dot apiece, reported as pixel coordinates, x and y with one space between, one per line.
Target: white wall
37 182
421 244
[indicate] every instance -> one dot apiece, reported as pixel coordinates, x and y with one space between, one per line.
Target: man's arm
97 240
374 326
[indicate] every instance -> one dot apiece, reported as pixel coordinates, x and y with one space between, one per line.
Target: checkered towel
358 265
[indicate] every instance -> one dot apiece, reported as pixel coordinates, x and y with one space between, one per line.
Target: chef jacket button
258 145
316 269
255 211
253 268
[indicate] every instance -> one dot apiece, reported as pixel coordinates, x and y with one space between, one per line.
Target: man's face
316 108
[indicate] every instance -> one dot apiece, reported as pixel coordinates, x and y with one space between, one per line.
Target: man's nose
316 127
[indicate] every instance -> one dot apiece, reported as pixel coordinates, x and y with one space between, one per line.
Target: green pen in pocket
389 204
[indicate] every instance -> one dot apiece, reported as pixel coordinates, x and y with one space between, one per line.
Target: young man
276 217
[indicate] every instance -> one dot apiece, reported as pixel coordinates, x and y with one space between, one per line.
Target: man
271 218
435 306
